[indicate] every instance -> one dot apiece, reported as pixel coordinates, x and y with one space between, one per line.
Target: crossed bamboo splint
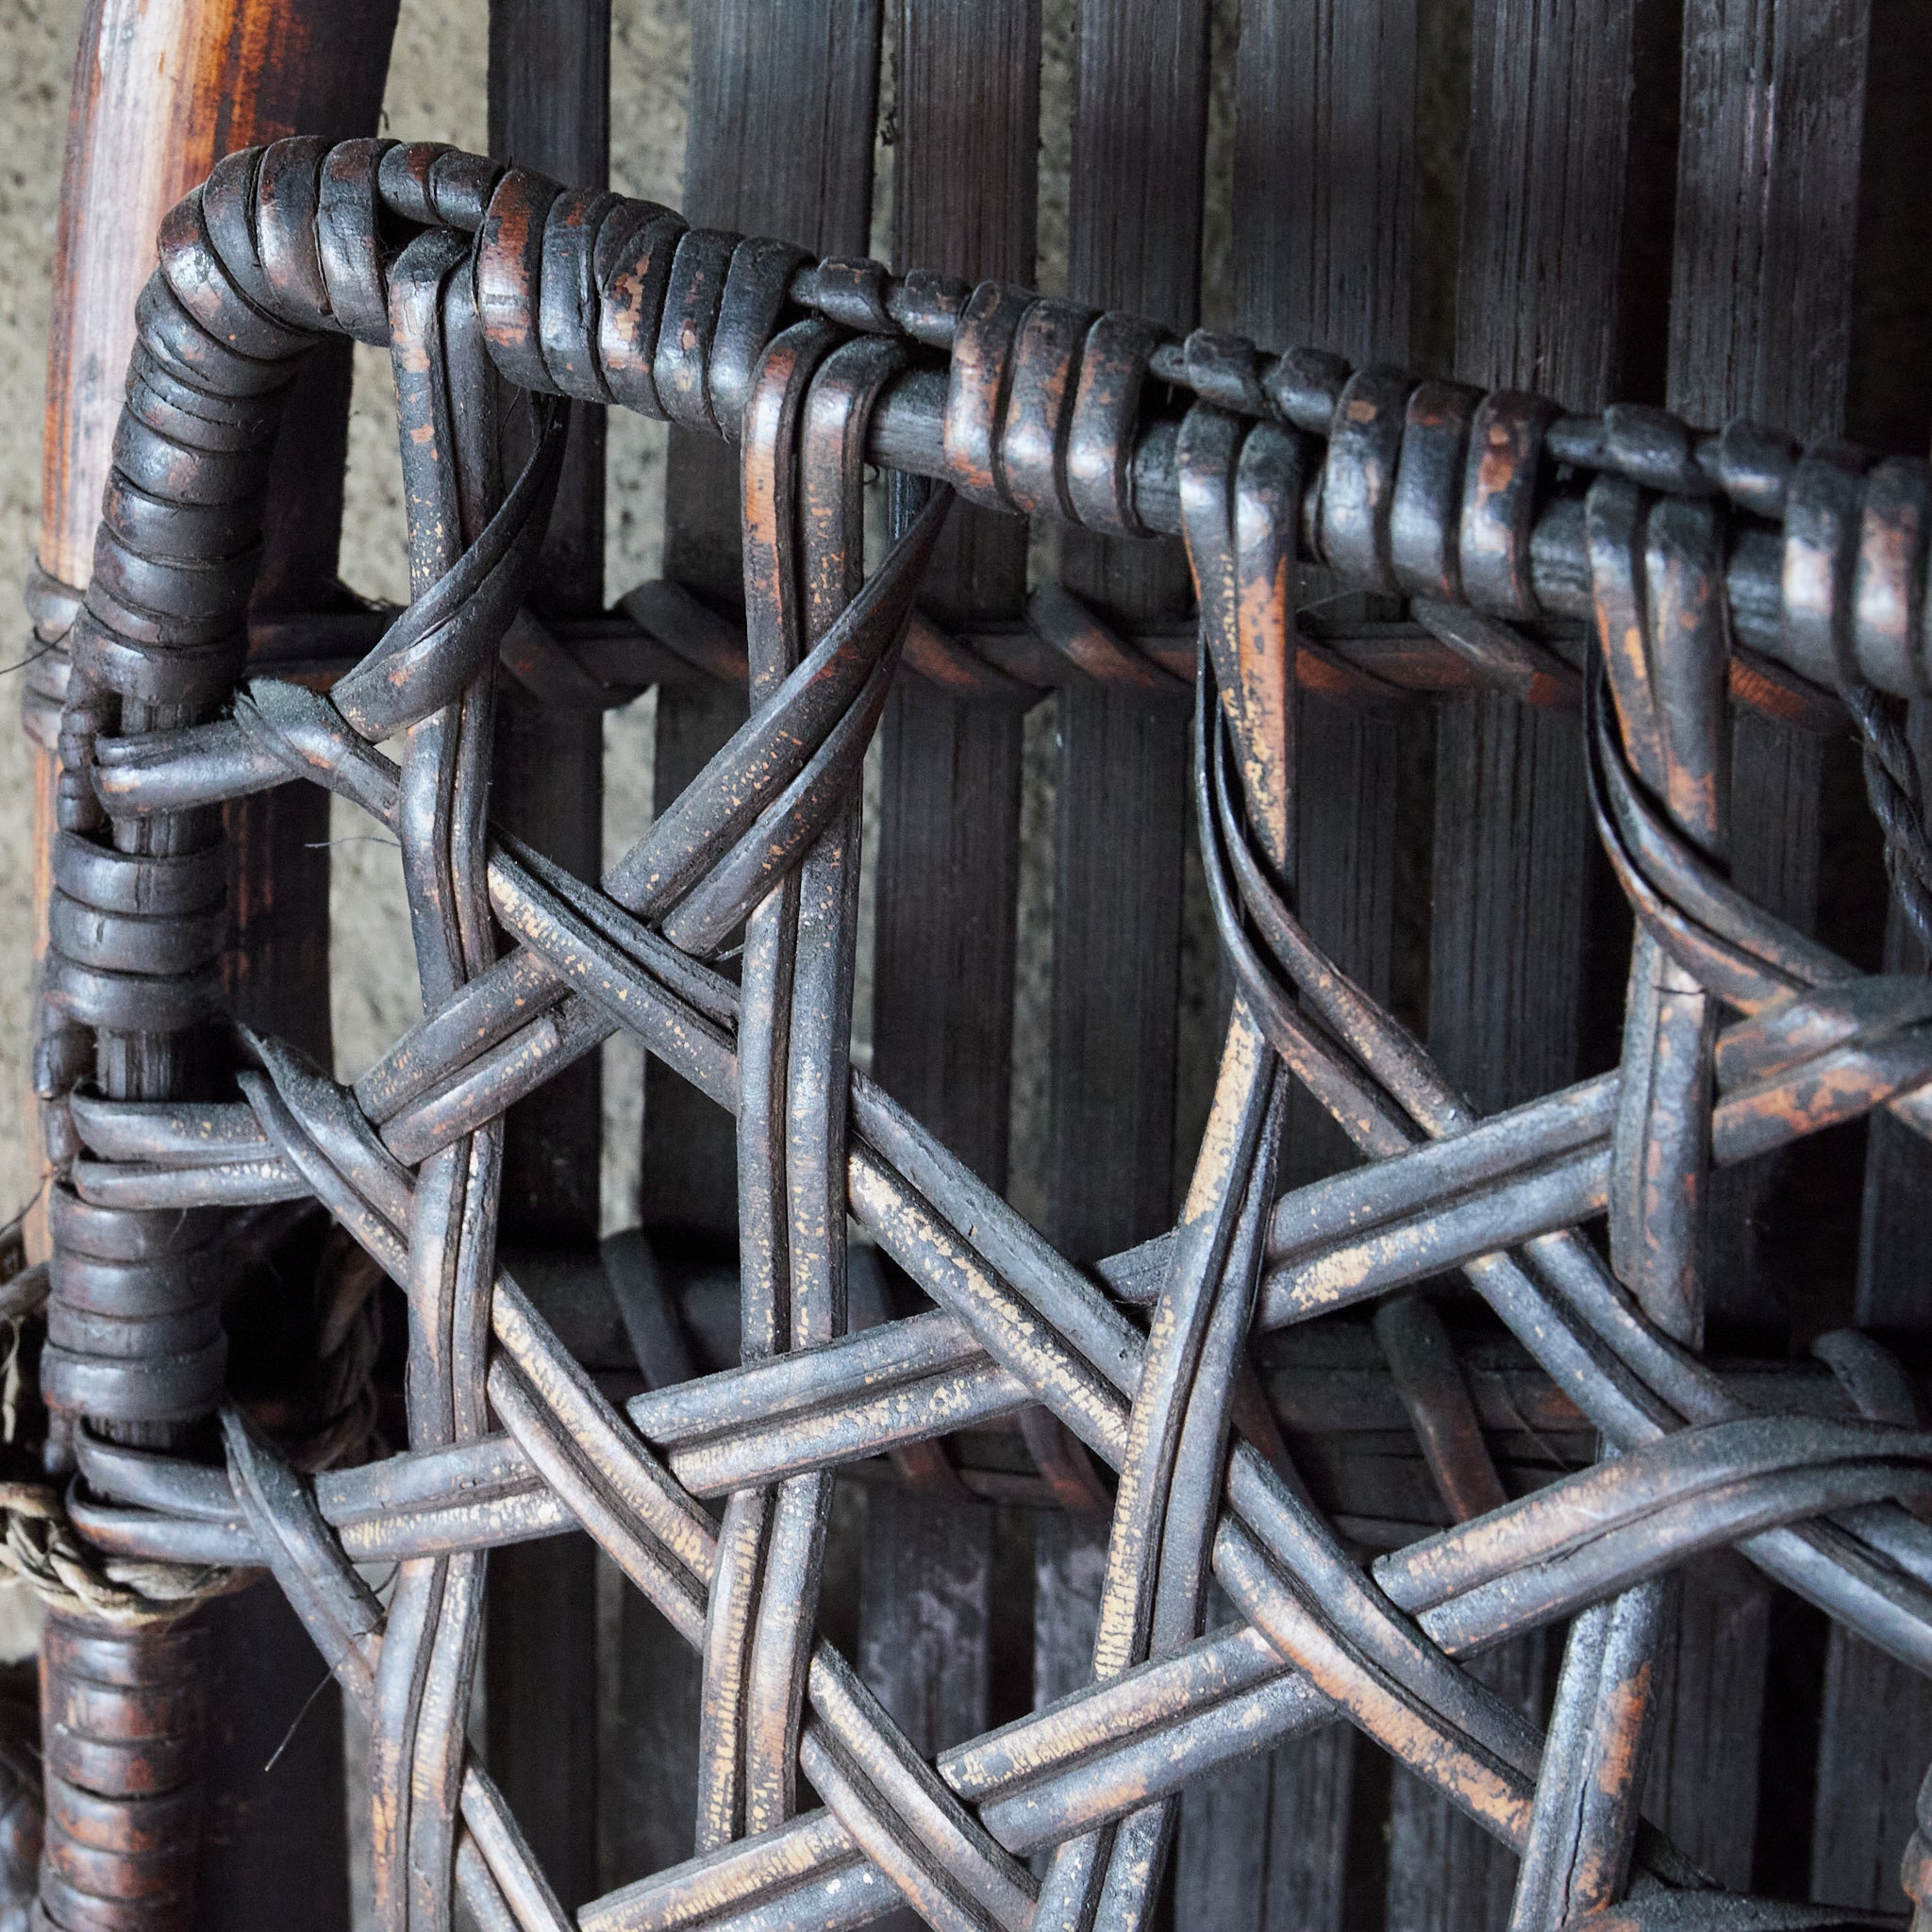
497 292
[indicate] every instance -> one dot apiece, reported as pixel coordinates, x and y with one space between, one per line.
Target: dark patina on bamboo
498 291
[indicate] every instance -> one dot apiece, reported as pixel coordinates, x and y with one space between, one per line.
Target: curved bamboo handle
161 89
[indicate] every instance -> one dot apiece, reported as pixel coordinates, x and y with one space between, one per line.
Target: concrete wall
37 40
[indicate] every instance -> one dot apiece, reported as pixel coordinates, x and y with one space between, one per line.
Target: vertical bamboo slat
1134 194
1537 304
924 1622
1133 242
949 822
1322 206
782 104
1875 1716
948 833
549 109
1760 326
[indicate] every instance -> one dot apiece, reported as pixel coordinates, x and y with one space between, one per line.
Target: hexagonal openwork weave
499 294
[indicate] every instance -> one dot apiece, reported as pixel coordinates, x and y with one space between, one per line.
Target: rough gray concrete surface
37 40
